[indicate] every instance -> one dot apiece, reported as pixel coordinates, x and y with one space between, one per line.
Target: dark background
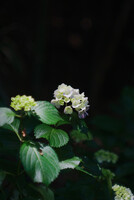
86 44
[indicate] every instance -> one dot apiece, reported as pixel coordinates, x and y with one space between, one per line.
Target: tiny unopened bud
41 153
24 133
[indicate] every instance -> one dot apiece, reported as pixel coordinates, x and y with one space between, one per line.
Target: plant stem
9 173
109 182
19 136
17 133
82 170
18 116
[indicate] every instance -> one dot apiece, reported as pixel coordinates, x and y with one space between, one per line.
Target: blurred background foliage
89 45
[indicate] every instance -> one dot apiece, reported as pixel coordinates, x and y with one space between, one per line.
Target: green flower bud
22 103
68 110
107 173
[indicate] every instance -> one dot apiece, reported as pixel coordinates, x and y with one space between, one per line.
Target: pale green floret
68 110
66 100
22 103
82 105
61 102
58 95
122 193
106 156
75 103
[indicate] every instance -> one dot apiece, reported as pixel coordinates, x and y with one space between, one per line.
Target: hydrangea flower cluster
22 102
105 156
70 98
122 193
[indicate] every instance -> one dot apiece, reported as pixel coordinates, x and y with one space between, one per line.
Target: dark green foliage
26 155
49 148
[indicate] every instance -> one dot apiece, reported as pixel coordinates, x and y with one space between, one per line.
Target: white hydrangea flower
82 114
55 103
80 104
63 91
122 193
66 94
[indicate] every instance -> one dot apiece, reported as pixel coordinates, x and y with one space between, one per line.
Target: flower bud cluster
122 193
70 98
22 103
105 156
107 173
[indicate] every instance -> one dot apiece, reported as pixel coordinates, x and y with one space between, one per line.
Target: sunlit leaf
70 163
6 116
47 112
41 168
56 137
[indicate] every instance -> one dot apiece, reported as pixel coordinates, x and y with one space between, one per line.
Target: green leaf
47 113
65 120
2 177
43 131
70 163
56 137
14 126
45 192
41 168
6 116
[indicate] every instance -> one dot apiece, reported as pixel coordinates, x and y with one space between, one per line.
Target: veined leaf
43 131
41 168
70 163
56 137
6 116
14 126
47 113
